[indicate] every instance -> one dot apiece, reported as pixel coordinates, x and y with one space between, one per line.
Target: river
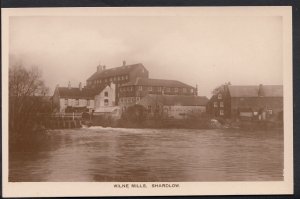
115 154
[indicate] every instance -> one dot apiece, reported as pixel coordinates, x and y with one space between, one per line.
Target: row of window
129 99
76 102
216 104
109 79
159 89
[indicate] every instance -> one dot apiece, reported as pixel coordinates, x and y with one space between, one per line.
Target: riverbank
202 123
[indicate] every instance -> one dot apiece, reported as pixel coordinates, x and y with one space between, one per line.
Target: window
140 88
150 88
77 102
221 112
138 99
106 102
110 79
66 102
176 89
122 78
215 104
126 77
100 81
220 96
106 94
270 111
88 102
119 78
192 90
184 90
159 89
168 89
221 104
115 78
149 109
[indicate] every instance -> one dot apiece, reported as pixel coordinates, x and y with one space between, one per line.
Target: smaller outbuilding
173 106
79 99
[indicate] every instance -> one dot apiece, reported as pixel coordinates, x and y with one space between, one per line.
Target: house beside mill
247 102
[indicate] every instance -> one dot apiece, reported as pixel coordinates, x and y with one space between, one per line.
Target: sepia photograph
147 101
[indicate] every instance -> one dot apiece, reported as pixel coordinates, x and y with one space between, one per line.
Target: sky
198 50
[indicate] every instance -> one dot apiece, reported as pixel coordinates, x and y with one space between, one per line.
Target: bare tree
220 88
26 91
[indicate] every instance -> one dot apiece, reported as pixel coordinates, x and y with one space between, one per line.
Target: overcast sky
206 51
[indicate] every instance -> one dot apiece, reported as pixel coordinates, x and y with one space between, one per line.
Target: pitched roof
243 91
253 91
182 100
65 92
122 70
158 82
273 90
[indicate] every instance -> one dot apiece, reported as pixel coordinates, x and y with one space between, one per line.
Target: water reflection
106 154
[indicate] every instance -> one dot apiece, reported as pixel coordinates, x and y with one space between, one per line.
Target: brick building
173 106
132 92
247 102
118 76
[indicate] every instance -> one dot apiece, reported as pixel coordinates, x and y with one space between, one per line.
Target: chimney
99 68
124 63
69 85
260 90
80 86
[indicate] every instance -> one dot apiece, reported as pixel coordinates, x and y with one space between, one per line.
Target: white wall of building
106 98
181 112
76 103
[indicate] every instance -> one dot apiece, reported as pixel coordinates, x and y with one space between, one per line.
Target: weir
61 121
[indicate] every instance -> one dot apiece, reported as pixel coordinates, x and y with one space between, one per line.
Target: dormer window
219 96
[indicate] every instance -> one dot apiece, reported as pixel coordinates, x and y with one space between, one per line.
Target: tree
220 88
26 98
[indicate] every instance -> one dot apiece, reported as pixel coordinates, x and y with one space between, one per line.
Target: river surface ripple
115 154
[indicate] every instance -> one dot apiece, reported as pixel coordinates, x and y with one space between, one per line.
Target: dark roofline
137 82
92 77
